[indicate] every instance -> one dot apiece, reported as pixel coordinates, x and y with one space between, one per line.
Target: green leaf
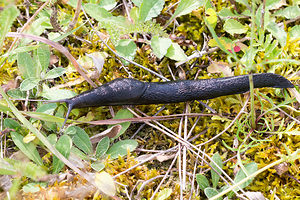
39 26
234 27
185 7
164 194
29 84
249 56
78 153
295 32
48 108
7 16
274 4
202 181
120 148
63 145
4 107
54 73
43 56
45 117
81 139
214 176
11 54
26 66
122 114
210 192
250 169
134 14
102 146
58 37
176 53
96 11
52 138
150 9
33 187
278 33
127 49
6 168
97 166
29 169
211 17
258 18
138 3
160 46
16 93
105 183
289 12
108 4
12 124
226 12
72 3
28 149
55 94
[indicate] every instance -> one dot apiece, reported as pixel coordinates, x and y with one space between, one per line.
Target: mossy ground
266 144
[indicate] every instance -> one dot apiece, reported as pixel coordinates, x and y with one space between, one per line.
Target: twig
76 15
293 118
127 10
143 125
281 24
197 54
141 187
184 150
194 174
193 127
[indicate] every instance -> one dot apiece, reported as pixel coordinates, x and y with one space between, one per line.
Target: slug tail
271 80
211 88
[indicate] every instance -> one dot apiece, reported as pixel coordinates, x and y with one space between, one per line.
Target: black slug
126 91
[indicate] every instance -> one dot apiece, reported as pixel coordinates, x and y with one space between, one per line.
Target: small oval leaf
29 84
102 146
63 145
54 73
121 147
81 139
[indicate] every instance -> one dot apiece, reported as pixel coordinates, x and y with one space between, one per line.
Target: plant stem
252 114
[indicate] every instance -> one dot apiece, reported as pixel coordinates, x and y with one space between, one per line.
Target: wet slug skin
126 91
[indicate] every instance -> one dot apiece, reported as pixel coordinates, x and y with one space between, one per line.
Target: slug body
123 91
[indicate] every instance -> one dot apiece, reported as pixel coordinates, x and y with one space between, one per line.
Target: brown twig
76 15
